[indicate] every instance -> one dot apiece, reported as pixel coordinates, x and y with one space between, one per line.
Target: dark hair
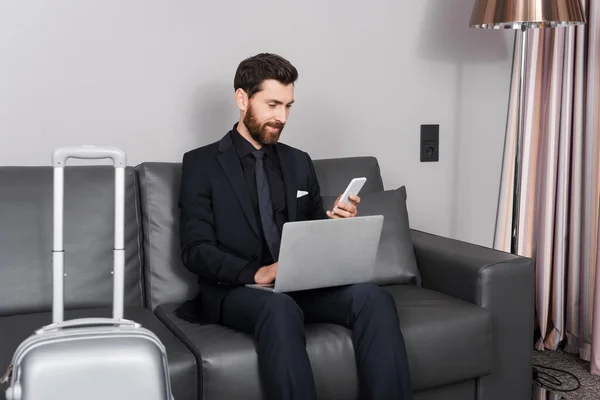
253 71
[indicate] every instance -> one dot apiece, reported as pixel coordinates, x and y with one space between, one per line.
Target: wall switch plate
430 143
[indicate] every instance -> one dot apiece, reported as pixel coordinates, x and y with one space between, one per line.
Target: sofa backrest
167 280
334 174
26 226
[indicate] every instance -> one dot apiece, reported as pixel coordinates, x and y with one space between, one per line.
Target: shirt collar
243 147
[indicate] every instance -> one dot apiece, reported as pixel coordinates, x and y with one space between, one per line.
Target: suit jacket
219 231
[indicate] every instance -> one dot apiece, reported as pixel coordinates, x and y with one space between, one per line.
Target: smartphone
353 188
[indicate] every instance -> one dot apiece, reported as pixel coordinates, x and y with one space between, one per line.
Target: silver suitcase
89 358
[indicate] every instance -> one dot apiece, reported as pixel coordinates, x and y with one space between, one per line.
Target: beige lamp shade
518 14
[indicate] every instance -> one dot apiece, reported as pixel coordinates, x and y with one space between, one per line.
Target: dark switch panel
430 143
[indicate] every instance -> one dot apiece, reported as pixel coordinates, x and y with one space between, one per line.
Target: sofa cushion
227 355
396 261
334 174
465 390
182 363
26 202
439 330
167 280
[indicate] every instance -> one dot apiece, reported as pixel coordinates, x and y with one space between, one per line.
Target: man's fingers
274 271
266 279
263 279
345 210
341 212
349 208
332 215
266 275
344 206
354 199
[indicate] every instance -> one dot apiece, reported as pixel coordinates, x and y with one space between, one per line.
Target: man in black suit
236 194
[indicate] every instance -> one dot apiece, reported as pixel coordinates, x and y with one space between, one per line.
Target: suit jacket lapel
289 180
230 163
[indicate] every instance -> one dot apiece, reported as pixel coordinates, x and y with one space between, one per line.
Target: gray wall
155 78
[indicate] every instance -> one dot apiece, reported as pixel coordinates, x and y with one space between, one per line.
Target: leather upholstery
334 174
26 232
438 331
167 280
465 390
501 283
229 363
182 364
396 262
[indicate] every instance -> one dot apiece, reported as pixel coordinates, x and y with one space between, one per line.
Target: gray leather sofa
468 325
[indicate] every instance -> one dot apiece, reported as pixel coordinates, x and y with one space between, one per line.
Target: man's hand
344 210
266 275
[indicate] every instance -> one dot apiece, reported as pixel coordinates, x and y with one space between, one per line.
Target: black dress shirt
244 150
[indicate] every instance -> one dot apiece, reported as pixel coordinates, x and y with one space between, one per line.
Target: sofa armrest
500 282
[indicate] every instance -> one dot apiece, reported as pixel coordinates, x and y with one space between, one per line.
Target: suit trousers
276 321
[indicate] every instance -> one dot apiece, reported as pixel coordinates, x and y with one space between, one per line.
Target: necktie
265 206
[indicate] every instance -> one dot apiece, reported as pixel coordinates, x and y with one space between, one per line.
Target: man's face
268 110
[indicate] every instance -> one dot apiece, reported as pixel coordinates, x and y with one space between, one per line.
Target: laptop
326 253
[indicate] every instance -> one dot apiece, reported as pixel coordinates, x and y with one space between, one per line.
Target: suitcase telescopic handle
76 323
59 159
62 154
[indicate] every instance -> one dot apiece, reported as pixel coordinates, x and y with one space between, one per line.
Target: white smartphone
353 188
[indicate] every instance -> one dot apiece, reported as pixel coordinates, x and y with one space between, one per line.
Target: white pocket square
301 193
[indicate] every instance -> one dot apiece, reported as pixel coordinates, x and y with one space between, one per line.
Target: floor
589 384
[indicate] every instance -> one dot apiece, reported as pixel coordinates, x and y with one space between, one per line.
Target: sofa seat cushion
448 340
182 363
230 367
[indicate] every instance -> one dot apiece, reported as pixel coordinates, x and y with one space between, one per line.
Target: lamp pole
518 168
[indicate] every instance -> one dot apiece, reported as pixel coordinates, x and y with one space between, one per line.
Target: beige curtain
560 189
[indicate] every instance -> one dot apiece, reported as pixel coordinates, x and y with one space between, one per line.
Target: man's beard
261 133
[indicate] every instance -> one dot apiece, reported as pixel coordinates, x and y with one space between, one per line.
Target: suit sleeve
200 253
316 209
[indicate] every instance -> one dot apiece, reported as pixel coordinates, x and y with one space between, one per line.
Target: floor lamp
523 15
